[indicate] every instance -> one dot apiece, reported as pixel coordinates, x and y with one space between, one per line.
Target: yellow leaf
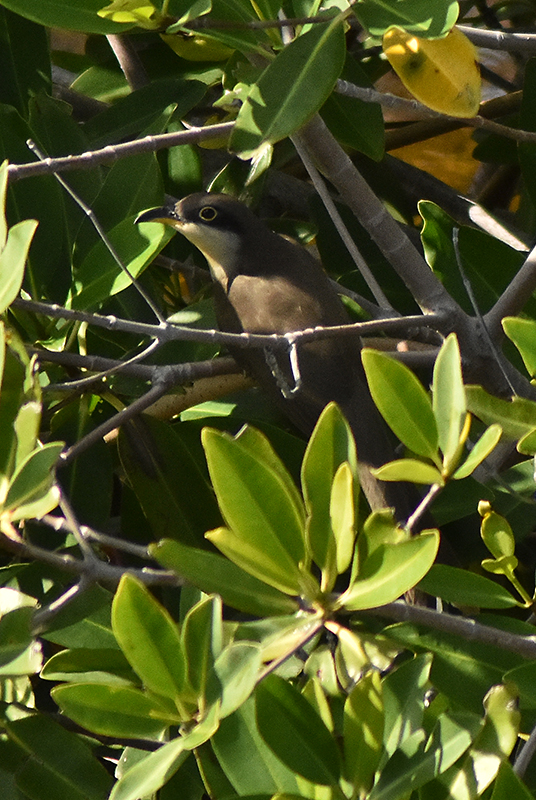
196 48
140 12
440 73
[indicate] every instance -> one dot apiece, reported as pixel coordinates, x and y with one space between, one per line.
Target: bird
265 283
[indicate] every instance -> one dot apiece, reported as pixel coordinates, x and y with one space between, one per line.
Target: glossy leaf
517 417
212 573
171 488
481 450
15 632
201 634
508 785
14 246
151 773
404 691
491 746
291 89
34 476
342 513
274 568
295 732
120 711
60 761
89 665
448 401
390 571
330 445
77 16
465 588
421 17
252 768
260 508
403 403
99 277
441 73
237 668
522 332
418 761
409 469
148 637
363 732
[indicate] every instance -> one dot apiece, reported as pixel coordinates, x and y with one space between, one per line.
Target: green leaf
148 637
390 571
403 403
33 477
342 514
99 277
295 732
174 493
496 532
421 17
120 711
273 567
487 442
260 508
87 665
517 417
201 634
417 762
491 747
409 469
449 406
26 66
150 774
237 668
464 588
252 768
331 444
363 732
354 123
508 785
522 332
212 573
463 671
291 89
76 15
61 765
13 259
15 633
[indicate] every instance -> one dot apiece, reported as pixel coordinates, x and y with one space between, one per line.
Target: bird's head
218 225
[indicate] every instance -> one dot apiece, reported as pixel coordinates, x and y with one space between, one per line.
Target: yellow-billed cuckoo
267 284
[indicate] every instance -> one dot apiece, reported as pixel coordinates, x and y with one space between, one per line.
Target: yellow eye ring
208 213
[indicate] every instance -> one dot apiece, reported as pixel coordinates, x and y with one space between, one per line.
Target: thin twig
88 211
169 332
472 299
463 627
331 208
514 297
501 40
129 61
525 757
105 573
111 153
385 99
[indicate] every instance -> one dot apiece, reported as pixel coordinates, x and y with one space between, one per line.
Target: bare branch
514 297
464 627
387 100
129 61
336 165
111 153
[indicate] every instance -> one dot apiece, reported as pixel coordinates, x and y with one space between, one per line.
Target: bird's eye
208 213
